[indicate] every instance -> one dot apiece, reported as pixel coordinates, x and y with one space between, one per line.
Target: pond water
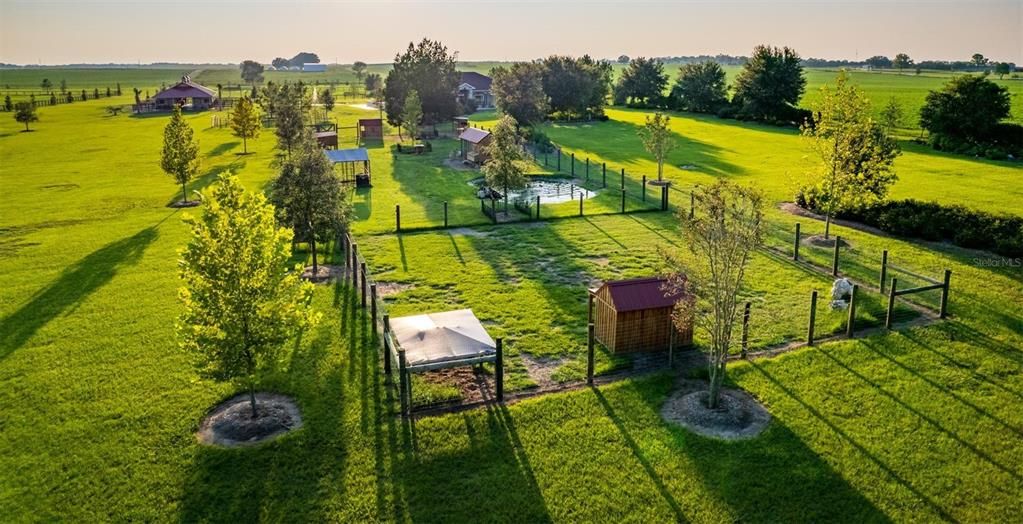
550 190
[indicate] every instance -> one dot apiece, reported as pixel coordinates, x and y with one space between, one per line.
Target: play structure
354 164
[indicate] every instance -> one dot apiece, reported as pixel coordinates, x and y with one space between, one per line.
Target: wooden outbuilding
326 139
371 129
635 315
473 145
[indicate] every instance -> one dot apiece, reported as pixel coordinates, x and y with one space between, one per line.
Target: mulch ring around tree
324 273
231 423
739 416
179 204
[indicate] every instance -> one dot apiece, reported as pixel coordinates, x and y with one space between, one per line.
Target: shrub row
793 116
1004 142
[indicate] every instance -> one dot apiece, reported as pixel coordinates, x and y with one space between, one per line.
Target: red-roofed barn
635 315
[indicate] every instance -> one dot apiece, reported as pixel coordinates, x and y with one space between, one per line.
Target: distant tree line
296 61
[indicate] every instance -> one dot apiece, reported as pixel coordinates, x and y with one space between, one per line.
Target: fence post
745 329
362 269
834 262
603 170
692 204
499 370
397 217
623 178
559 160
891 304
884 269
354 267
944 294
403 380
493 210
623 200
373 305
387 344
538 207
850 324
589 354
813 318
573 164
644 188
580 203
544 158
795 247
589 307
587 169
445 214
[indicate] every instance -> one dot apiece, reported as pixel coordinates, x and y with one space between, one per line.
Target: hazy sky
56 32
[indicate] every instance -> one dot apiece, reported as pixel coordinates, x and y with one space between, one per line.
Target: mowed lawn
99 405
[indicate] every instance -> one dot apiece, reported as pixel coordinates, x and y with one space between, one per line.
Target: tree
252 71
891 115
245 121
279 62
856 155
63 87
25 112
412 114
309 196
518 92
506 165
878 62
576 87
118 90
46 84
624 59
84 96
180 157
241 303
374 83
1002 69
8 105
304 58
359 68
720 238
429 70
770 83
327 99
53 99
968 107
657 139
902 61
95 93
700 87
978 60
289 104
642 82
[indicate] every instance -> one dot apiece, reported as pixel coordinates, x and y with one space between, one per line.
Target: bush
540 141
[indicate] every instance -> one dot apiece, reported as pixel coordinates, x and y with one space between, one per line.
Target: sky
229 31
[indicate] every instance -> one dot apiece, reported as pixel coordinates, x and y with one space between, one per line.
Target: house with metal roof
635 315
476 87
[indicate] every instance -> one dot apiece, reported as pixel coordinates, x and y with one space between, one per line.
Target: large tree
25 112
304 57
242 304
770 84
518 92
854 152
180 156
429 69
506 164
978 60
280 62
878 62
310 197
720 238
643 82
902 61
359 68
245 121
968 108
700 87
327 99
252 71
1002 69
289 104
412 115
576 87
657 139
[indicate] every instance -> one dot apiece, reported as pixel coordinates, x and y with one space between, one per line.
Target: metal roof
641 293
186 88
478 81
434 338
338 156
473 135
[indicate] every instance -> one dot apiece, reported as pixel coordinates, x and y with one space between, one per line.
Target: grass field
100 406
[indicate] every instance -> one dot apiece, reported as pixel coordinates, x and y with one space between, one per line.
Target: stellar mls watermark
998 262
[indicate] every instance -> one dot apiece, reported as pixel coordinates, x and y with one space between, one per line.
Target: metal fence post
493 210
538 207
623 200
580 203
559 160
587 169
445 214
795 247
499 370
603 171
834 262
884 269
850 324
692 204
623 178
891 304
944 294
397 217
573 164
589 354
813 318
644 188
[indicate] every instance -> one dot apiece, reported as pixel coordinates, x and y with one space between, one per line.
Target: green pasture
100 405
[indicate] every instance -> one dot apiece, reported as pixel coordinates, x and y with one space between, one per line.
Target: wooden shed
473 145
635 315
371 129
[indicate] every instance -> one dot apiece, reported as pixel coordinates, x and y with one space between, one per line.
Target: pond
550 190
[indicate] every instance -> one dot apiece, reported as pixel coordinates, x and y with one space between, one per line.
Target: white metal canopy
440 340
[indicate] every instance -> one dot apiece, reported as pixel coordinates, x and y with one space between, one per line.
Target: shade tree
245 121
642 82
429 69
770 84
180 155
518 92
700 87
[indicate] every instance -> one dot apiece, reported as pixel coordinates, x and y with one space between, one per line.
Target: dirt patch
600 261
541 369
458 164
468 232
820 241
231 423
658 183
473 384
59 187
324 273
793 209
184 203
386 289
739 415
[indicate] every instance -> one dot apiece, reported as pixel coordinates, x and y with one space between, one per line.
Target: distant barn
635 315
314 68
186 94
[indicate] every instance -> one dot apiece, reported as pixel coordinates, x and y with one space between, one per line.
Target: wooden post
387 344
944 294
603 170
499 370
850 324
573 164
587 169
589 307
664 198
884 269
692 204
559 160
834 262
644 188
538 207
373 305
813 318
355 266
671 343
795 247
397 218
891 304
493 210
403 383
745 329
580 203
362 269
623 200
445 214
589 353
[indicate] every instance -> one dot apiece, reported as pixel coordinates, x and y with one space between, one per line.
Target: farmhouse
314 68
635 315
186 94
476 87
472 143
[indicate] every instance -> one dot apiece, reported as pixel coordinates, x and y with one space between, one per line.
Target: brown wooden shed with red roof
635 315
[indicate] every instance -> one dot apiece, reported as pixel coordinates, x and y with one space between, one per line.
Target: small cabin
326 139
635 315
473 143
371 129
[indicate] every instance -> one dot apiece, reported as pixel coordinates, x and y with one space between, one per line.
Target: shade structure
442 340
338 156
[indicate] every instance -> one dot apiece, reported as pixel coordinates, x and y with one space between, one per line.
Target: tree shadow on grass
222 148
207 179
76 284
